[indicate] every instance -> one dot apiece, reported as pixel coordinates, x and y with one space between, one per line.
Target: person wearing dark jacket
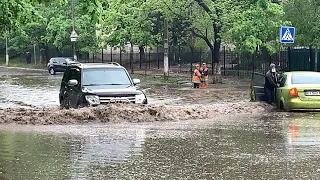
28 57
271 83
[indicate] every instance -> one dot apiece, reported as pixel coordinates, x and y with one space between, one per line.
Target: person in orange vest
196 76
204 76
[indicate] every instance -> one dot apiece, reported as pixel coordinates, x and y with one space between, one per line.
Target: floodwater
20 88
269 147
28 88
227 144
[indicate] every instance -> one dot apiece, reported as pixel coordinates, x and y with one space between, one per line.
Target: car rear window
305 79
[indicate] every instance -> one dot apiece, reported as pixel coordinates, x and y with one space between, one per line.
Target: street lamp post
7 54
166 47
73 38
74 34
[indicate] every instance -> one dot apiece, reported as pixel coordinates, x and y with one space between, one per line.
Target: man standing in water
196 76
204 76
271 80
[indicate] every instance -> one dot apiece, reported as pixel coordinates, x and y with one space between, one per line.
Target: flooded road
31 97
276 146
222 135
36 88
20 88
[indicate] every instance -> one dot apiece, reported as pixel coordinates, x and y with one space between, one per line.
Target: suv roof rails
114 63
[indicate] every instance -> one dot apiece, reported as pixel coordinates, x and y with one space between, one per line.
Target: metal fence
232 63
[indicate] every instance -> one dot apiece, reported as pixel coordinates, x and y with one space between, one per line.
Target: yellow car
299 90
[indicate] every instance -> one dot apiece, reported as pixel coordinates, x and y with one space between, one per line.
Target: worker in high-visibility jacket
196 76
204 76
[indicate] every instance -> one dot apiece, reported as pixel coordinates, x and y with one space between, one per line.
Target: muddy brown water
31 97
222 135
274 146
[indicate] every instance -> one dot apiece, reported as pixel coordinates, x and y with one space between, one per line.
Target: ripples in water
20 96
278 147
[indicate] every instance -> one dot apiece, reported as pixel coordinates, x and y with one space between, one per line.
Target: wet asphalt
276 145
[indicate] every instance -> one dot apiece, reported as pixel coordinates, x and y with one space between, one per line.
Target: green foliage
259 25
304 15
15 13
51 25
127 22
244 23
59 28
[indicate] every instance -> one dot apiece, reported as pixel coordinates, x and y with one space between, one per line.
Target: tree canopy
195 24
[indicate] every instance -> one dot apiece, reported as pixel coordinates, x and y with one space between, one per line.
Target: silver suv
91 84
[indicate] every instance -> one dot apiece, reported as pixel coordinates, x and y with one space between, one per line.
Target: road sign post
287 35
73 38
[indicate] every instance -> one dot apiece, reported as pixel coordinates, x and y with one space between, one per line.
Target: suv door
73 93
54 63
63 64
257 87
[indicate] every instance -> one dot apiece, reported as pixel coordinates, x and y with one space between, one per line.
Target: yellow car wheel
281 105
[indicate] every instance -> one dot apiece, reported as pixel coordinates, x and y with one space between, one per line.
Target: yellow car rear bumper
297 104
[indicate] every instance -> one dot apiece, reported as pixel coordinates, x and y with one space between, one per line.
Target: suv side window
54 61
75 73
65 76
61 61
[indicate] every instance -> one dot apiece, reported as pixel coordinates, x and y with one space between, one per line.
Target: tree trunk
131 57
216 65
216 55
192 52
141 55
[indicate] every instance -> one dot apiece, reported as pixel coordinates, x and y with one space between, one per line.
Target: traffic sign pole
287 35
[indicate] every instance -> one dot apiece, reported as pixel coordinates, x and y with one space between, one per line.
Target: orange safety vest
196 76
204 70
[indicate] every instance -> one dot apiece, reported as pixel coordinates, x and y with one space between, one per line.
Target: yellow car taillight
293 92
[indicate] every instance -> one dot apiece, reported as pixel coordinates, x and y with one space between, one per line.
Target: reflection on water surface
270 147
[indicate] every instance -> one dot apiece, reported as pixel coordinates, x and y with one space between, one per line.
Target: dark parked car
91 84
59 64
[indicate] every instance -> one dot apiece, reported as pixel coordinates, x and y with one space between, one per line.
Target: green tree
128 23
59 27
51 25
15 13
304 16
256 24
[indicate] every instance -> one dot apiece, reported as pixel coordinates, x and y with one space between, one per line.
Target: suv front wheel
52 71
65 103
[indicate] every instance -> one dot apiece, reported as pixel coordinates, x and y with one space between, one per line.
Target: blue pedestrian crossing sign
287 34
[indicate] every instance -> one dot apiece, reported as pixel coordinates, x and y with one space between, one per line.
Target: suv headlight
140 98
93 99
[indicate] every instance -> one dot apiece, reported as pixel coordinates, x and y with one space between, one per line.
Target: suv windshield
305 79
70 60
108 76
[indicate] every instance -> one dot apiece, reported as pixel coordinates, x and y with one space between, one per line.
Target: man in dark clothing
271 83
28 57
